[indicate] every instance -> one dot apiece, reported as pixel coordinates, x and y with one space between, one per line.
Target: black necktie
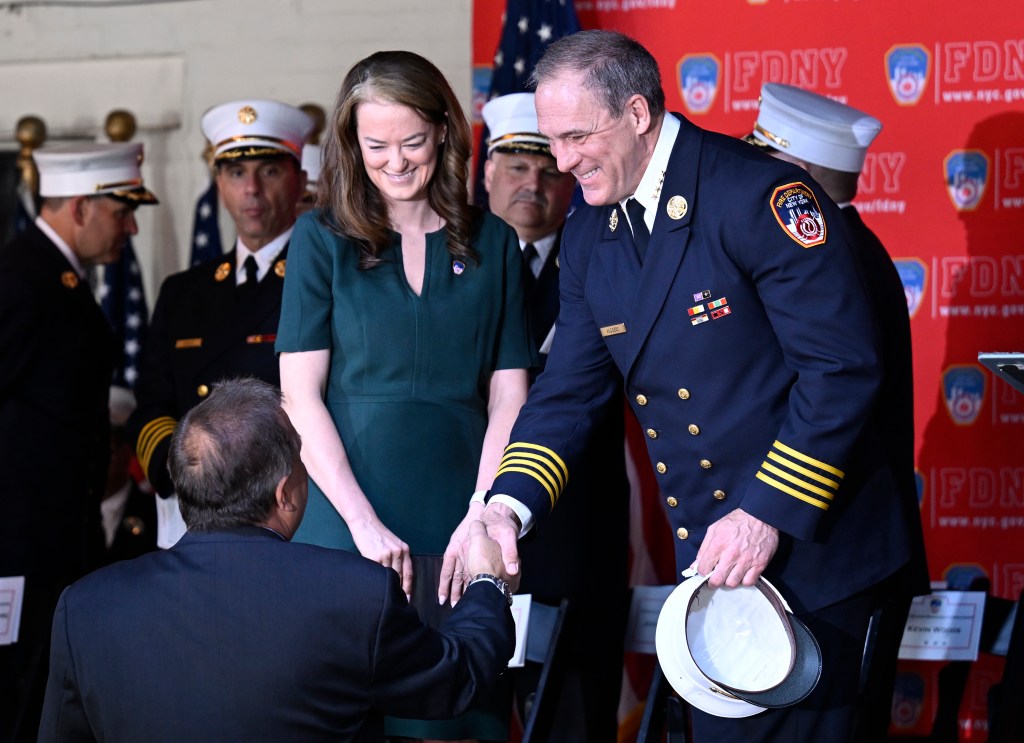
529 253
248 287
641 235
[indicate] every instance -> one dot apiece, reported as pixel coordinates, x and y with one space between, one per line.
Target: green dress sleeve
306 304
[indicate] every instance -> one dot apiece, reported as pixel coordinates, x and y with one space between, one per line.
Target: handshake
484 543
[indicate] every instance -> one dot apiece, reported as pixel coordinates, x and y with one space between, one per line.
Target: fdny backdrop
943 187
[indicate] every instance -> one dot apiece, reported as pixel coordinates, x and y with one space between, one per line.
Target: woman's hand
376 542
454 578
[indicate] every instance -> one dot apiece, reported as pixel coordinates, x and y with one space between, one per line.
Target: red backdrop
943 187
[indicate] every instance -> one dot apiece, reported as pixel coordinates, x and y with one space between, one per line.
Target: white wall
167 62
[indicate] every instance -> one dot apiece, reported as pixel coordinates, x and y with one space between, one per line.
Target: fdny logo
913 274
698 81
966 173
963 389
907 69
907 699
797 212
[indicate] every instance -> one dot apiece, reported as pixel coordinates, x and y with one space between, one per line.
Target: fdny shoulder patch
797 212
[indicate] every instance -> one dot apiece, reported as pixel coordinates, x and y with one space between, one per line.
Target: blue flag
25 209
530 27
206 227
123 300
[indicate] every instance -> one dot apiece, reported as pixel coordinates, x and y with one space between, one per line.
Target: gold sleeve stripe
809 460
552 494
556 462
791 491
552 483
803 470
796 480
151 435
535 460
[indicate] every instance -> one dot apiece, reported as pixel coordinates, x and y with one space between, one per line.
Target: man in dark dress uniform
527 190
829 140
722 286
219 319
56 362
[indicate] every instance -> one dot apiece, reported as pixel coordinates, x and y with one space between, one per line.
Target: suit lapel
669 239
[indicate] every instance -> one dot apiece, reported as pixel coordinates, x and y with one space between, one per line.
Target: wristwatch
498 582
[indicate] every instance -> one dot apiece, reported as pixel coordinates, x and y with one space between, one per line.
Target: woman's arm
303 382
506 396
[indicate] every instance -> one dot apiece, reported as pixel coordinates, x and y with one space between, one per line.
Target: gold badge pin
222 272
617 329
279 268
69 279
247 114
677 207
613 220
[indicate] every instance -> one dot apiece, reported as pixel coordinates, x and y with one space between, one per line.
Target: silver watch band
497 582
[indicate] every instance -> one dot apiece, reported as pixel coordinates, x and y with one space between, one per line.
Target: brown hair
351 205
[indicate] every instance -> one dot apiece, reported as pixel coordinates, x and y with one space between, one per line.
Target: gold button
682 533
672 501
684 394
705 464
719 494
652 433
660 466
202 390
693 428
641 400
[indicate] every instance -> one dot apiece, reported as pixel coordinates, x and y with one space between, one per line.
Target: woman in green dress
404 348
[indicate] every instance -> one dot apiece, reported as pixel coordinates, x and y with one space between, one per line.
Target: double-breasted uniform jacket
238 635
749 356
203 331
56 363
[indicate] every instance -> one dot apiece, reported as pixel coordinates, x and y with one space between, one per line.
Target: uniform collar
648 193
264 256
62 246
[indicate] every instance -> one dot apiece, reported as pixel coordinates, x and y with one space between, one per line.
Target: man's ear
488 174
78 205
640 110
283 496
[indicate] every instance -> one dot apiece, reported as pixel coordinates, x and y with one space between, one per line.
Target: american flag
123 300
530 26
206 227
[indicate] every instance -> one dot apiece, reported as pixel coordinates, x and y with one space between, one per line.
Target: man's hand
736 550
457 570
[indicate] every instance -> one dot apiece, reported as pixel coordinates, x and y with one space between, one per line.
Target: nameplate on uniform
188 343
265 338
613 329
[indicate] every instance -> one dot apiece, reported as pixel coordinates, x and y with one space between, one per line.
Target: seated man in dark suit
237 634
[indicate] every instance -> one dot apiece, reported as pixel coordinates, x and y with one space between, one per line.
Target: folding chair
544 647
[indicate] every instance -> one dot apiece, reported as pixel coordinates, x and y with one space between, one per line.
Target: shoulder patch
796 210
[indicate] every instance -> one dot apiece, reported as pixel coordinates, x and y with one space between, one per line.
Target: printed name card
944 625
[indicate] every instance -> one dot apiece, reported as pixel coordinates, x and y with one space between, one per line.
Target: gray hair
229 453
614 67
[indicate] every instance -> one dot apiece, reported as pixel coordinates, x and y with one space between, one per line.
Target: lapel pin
222 271
69 279
676 207
279 268
613 220
458 267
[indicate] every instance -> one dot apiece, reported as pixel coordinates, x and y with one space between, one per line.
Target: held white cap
256 128
814 128
93 168
512 125
734 652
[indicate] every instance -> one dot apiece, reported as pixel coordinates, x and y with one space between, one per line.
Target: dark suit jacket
894 407
56 363
202 332
241 636
749 354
